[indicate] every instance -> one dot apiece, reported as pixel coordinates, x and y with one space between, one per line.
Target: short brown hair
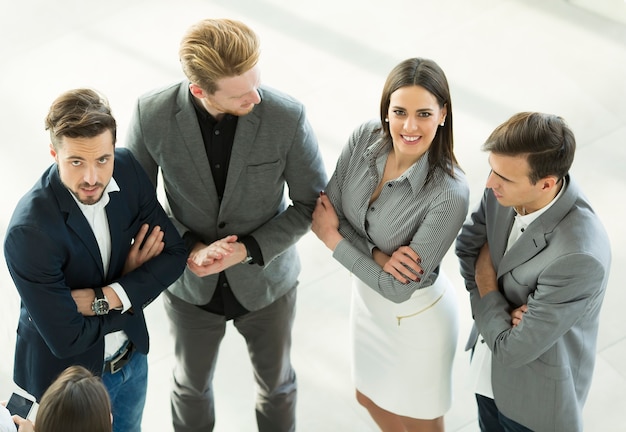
545 140
79 113
218 48
76 401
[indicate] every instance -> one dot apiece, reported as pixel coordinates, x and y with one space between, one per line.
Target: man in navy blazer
535 259
89 247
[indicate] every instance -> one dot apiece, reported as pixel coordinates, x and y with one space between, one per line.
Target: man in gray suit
228 148
535 259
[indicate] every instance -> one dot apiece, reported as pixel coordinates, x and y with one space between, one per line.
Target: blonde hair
217 48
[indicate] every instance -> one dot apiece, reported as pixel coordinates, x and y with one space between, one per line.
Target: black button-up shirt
218 137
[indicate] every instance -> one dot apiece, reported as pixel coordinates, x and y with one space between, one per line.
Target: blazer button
221 225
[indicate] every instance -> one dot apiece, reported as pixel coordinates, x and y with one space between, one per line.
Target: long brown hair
425 73
76 401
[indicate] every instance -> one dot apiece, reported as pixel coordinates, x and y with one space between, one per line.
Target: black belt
119 361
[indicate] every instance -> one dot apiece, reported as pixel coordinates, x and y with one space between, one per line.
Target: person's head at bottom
77 401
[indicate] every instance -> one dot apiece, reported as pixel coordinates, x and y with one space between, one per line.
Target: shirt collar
416 174
526 220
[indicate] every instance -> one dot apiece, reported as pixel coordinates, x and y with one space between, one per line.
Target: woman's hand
23 424
403 264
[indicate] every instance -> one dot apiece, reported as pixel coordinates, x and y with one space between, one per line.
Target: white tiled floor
501 56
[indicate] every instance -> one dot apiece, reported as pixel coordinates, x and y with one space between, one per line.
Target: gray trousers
198 334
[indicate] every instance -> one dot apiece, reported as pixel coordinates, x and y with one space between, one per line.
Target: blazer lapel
525 248
502 223
75 220
116 211
533 240
187 122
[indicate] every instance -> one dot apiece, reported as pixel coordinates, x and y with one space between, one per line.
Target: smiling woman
414 117
390 213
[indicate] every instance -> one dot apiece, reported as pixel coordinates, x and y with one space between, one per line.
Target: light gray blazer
274 147
542 369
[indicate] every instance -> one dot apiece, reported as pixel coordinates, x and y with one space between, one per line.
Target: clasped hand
218 256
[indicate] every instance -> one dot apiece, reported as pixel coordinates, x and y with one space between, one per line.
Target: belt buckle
112 365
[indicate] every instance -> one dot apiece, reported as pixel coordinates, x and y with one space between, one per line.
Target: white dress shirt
97 218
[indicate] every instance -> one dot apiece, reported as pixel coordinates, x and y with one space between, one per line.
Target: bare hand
325 223
403 264
141 252
202 254
485 274
216 257
84 297
24 425
518 314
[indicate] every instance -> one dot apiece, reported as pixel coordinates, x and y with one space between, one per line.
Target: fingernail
322 193
421 272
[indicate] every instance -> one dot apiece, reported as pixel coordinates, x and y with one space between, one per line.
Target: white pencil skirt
402 354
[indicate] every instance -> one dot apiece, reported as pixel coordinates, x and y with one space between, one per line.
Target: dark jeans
127 390
490 419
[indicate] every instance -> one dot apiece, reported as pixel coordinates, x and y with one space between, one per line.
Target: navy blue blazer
50 249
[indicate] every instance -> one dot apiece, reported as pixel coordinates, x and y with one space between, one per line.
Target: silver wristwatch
100 305
248 257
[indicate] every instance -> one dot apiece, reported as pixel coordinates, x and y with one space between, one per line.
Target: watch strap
100 305
99 292
248 257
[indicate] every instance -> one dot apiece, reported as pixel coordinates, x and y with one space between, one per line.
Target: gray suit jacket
274 147
559 267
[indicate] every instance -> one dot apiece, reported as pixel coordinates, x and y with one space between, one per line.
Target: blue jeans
490 419
127 390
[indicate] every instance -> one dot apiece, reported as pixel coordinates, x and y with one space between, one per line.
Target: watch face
100 306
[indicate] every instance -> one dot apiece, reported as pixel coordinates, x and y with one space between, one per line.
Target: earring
442 123
387 120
